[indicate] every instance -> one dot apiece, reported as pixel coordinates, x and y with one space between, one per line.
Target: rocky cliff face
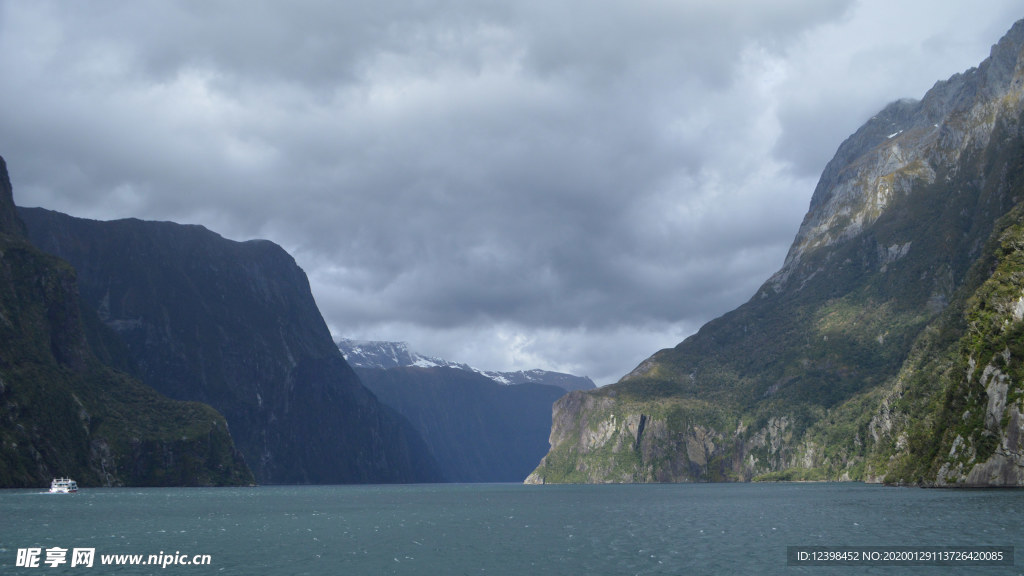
476 429
953 415
906 146
10 224
822 373
63 412
234 325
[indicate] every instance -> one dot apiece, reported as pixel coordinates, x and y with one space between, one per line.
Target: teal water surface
501 529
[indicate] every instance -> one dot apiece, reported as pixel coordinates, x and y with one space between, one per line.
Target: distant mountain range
476 429
480 426
383 354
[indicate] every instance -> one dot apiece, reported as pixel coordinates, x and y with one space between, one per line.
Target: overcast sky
512 184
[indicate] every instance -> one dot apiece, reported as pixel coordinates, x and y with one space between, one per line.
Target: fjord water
504 529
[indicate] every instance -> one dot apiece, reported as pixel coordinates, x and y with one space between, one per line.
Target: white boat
63 486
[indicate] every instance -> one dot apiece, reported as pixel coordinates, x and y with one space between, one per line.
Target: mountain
480 426
886 349
476 429
383 354
63 412
234 325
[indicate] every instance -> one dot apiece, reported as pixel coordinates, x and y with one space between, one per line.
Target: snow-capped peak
385 355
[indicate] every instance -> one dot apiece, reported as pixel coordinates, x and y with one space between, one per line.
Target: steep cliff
814 377
234 325
63 412
477 430
953 415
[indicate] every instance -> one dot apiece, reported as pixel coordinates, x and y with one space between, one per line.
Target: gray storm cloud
562 185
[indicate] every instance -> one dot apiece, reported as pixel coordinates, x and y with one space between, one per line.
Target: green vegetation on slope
869 356
64 413
942 396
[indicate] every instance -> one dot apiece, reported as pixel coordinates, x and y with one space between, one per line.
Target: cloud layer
563 185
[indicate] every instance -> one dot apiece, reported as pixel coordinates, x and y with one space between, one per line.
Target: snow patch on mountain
385 355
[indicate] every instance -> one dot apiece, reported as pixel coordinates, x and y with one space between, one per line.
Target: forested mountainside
64 412
886 349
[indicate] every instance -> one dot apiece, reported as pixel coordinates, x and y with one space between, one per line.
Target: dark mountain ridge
234 324
480 426
63 412
476 429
